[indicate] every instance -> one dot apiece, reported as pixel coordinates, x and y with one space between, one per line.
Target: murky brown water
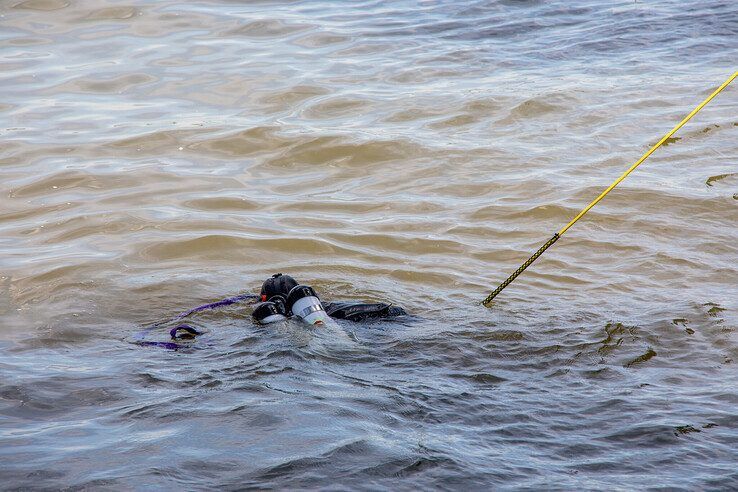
159 155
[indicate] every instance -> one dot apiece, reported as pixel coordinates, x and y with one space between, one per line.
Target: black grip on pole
520 270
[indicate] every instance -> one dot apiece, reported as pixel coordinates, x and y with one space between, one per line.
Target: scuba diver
281 297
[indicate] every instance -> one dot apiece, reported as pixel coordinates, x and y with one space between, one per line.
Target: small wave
266 29
43 5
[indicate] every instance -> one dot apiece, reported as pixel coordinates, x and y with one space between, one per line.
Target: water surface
159 155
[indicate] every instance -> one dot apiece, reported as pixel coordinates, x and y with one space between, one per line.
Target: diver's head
303 302
277 285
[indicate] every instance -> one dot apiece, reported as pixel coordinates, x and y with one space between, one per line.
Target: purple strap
140 337
166 345
224 302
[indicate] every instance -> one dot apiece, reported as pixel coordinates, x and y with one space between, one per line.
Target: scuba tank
303 302
270 311
283 297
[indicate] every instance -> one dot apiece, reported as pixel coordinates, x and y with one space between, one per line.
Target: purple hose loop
190 332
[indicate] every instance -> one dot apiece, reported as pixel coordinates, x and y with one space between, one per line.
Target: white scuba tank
303 302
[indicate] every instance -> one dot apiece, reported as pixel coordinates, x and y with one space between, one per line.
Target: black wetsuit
358 311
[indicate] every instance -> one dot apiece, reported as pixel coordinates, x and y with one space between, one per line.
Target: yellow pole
487 302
